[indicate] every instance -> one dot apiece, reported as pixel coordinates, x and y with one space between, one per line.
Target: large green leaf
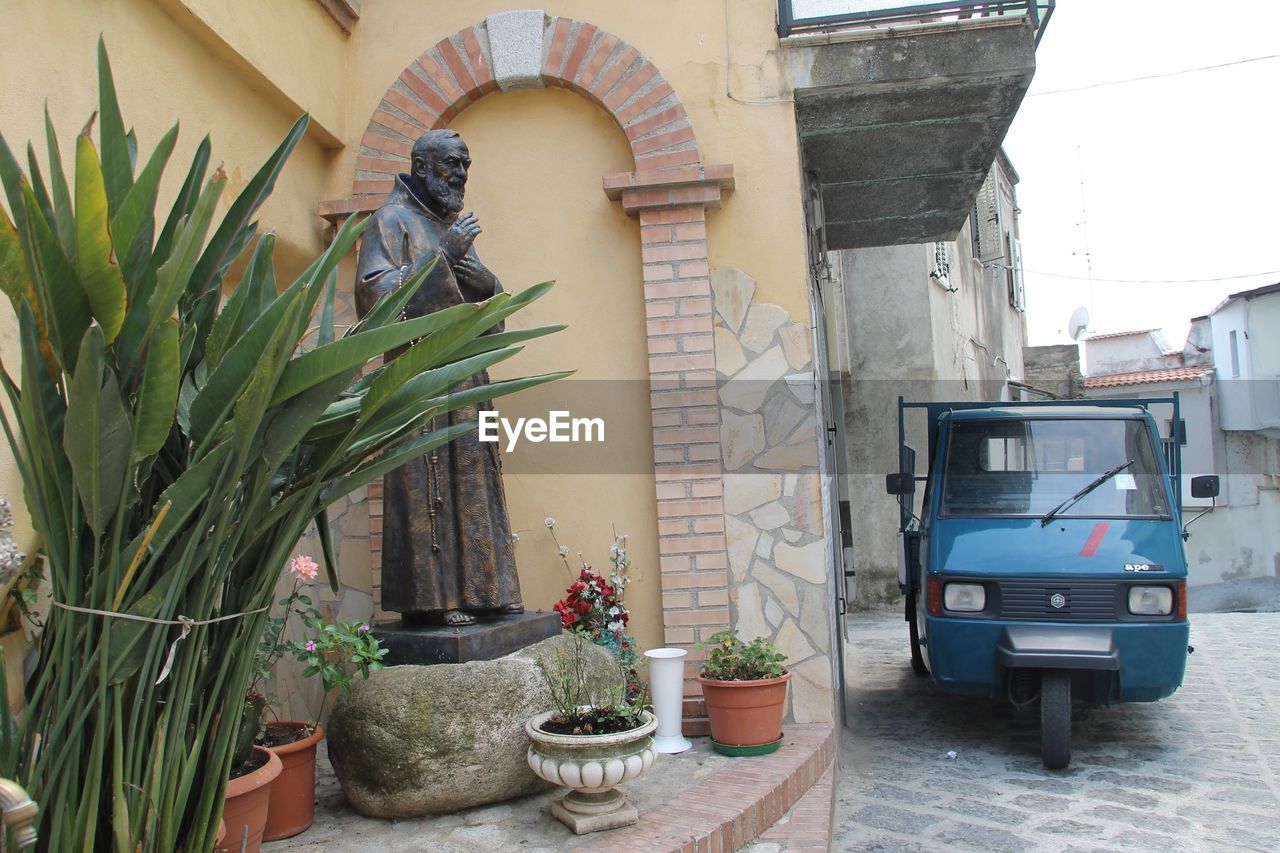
505 339
252 405
393 459
182 208
229 378
117 170
431 350
413 394
64 216
97 436
59 293
42 194
132 225
218 255
326 548
235 318
171 279
101 278
15 280
158 394
329 360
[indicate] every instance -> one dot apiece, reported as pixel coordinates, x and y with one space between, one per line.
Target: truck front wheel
917 659
1055 718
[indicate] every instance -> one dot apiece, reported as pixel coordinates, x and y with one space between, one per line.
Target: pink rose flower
303 568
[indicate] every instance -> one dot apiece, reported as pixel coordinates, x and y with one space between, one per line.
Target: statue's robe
446 537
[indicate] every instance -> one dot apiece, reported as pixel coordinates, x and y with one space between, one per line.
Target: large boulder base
418 740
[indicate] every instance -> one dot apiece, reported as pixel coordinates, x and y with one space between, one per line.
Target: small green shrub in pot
744 686
730 659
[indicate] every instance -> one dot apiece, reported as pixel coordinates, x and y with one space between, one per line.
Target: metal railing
858 15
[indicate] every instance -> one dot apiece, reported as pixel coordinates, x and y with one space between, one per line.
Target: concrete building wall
1128 354
1054 368
910 336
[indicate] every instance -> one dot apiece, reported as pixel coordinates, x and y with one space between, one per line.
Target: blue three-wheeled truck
1045 561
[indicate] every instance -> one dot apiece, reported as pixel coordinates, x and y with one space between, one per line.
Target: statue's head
438 168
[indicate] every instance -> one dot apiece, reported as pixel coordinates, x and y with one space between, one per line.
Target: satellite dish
1079 323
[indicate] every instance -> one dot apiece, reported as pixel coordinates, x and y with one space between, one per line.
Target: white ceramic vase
666 690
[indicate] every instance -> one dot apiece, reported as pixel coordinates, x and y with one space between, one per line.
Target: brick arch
669 193
464 67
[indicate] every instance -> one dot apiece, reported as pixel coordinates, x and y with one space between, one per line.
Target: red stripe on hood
1095 539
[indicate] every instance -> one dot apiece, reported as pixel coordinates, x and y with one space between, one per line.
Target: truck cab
1046 561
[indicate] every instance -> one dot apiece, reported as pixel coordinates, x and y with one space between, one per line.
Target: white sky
1181 174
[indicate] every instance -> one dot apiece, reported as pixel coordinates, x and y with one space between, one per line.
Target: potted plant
247 799
334 652
594 605
173 445
592 740
745 689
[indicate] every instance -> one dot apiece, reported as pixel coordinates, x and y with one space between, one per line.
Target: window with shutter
941 273
1017 286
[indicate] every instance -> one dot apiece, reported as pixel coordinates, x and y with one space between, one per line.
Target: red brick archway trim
669 192
456 72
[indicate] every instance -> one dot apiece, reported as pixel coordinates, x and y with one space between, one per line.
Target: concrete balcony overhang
901 124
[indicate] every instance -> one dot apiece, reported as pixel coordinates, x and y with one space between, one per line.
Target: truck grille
1068 600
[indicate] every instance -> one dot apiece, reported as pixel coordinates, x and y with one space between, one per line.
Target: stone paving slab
1197 771
523 824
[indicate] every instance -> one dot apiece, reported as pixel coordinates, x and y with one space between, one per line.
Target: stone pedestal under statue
486 639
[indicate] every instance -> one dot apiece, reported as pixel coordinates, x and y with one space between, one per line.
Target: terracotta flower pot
246 804
745 713
293 795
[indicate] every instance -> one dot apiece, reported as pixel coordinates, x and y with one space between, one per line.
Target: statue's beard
444 194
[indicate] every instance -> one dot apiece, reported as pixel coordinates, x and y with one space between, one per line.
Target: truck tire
1055 718
917 659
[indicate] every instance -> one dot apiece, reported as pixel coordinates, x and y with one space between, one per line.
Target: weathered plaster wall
909 336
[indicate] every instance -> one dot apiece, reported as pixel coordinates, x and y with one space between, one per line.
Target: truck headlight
1150 600
964 597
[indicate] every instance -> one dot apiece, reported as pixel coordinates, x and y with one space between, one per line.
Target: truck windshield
1028 467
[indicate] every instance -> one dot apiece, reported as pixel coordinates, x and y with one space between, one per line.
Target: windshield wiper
1069 502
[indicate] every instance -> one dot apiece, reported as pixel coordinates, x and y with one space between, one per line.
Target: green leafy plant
587 705
337 652
730 659
173 445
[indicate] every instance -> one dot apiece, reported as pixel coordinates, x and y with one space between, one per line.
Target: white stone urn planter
593 766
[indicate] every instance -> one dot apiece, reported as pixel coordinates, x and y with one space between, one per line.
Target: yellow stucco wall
760 230
165 70
539 157
544 217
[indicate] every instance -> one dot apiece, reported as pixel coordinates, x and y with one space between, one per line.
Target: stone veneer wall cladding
772 489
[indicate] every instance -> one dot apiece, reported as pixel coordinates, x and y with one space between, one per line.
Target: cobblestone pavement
1197 771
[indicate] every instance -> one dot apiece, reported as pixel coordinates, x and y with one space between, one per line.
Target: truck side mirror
1205 486
900 484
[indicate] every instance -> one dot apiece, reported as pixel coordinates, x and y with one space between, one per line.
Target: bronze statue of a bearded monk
447 551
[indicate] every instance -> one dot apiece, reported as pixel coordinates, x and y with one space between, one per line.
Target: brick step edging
808 825
735 805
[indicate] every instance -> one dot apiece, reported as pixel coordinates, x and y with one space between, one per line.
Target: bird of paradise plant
173 445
